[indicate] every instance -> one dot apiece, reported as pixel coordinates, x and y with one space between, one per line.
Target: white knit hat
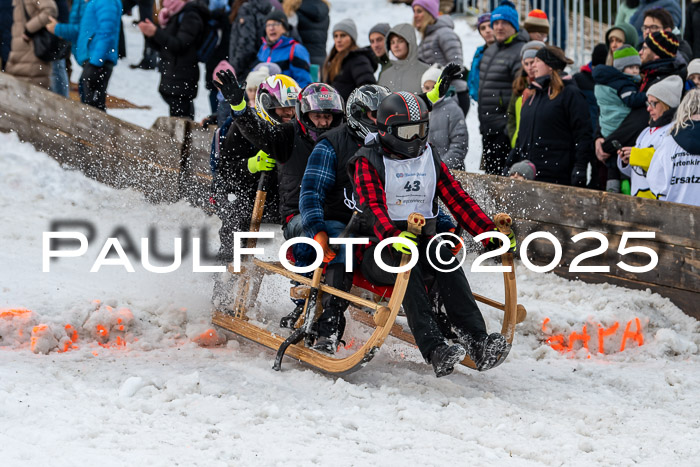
256 77
668 91
694 67
431 74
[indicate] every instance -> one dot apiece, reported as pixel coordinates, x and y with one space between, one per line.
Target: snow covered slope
145 394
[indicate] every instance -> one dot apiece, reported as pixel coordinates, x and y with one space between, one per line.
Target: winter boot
289 320
485 351
444 358
331 326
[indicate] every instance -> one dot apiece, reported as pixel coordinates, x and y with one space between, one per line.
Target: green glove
450 72
261 162
495 243
400 247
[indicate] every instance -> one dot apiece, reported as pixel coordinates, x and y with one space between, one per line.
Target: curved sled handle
503 222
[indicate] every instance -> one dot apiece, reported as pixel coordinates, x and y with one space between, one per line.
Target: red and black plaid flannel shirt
464 209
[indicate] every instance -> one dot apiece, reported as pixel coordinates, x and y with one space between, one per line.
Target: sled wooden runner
380 317
384 319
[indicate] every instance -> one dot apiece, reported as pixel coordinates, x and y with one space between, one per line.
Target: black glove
231 89
450 73
578 176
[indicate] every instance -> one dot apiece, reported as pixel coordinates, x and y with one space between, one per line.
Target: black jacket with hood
555 134
178 43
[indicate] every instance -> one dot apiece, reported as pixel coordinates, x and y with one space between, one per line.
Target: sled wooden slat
277 268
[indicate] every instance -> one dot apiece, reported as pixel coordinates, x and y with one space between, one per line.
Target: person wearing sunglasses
398 173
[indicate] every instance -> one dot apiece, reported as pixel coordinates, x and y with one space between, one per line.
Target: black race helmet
322 98
402 124
364 99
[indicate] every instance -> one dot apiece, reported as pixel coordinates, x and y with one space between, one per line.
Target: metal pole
582 32
592 18
609 15
683 25
575 27
600 22
566 18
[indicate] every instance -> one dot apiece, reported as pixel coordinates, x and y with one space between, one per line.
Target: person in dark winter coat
93 29
658 19
178 36
555 130
499 68
584 81
235 165
377 42
440 44
520 84
483 25
288 54
692 26
348 67
672 6
247 27
312 25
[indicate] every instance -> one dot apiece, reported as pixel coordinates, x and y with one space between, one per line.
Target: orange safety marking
603 333
583 337
636 335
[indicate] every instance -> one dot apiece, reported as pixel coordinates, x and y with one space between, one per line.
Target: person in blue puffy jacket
93 29
291 56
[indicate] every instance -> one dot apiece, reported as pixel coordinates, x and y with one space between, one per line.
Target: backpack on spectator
211 37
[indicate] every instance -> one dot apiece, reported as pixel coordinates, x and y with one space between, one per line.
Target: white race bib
410 186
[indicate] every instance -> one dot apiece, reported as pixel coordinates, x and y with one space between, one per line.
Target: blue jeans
59 77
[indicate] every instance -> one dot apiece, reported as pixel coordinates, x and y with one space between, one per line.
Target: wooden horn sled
381 317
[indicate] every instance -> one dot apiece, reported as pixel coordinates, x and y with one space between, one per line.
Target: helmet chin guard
402 124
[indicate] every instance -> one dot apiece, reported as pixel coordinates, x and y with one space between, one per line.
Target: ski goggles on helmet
411 131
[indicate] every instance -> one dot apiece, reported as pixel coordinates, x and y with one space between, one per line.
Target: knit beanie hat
506 11
431 74
553 57
694 67
668 91
381 28
626 56
483 18
277 15
600 53
525 168
431 6
662 43
537 21
530 49
256 77
348 27
271 67
223 65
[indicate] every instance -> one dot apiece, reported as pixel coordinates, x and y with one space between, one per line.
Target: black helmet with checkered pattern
402 124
